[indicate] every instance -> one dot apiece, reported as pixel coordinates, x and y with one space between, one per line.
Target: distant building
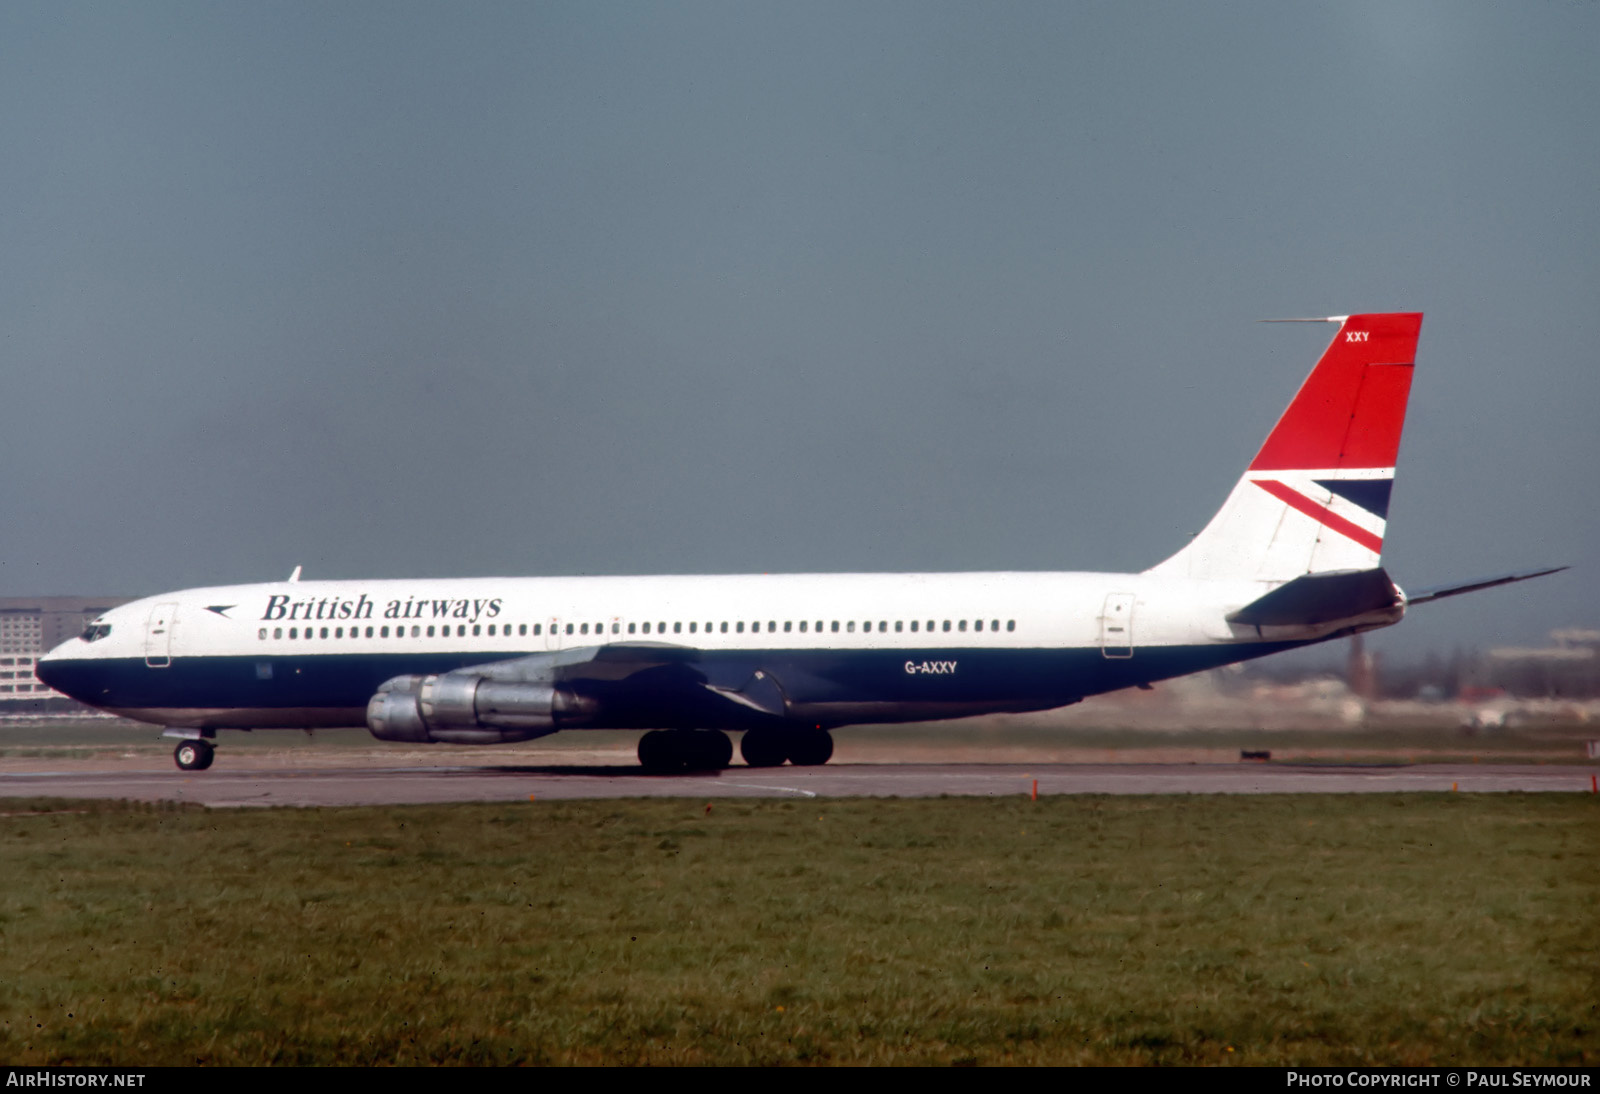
1567 668
31 627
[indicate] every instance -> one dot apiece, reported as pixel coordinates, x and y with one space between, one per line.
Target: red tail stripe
1320 513
1350 410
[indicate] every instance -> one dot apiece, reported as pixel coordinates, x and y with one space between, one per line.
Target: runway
379 785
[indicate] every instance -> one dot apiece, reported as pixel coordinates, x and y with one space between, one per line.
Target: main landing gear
710 750
685 750
194 755
801 747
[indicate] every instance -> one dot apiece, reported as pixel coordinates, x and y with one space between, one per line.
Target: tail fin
1316 497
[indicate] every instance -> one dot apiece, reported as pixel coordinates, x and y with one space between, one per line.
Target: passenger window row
848 626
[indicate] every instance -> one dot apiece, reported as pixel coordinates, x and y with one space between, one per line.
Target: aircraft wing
672 680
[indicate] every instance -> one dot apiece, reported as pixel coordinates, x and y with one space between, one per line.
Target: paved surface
387 785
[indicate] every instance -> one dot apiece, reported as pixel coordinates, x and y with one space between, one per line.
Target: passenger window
977 625
835 626
385 632
583 628
850 627
962 626
787 624
569 628
692 627
738 628
262 634
430 632
1011 624
294 632
899 626
522 630
416 632
913 626
647 628
677 628
947 626
475 630
277 632
994 624
633 628
724 628
883 626
537 627
802 626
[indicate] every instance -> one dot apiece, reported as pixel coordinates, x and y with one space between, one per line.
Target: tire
763 748
193 755
658 751
713 751
811 748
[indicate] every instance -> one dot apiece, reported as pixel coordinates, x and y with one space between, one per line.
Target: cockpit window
96 631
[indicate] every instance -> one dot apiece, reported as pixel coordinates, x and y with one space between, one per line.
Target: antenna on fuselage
296 575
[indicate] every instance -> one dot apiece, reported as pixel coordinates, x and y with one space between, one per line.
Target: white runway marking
783 789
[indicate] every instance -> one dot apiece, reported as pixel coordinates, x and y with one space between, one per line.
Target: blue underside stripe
1006 679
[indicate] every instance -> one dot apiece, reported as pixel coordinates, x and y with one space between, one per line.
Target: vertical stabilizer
1316 497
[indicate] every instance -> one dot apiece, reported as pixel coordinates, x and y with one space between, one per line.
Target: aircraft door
1116 626
158 635
552 634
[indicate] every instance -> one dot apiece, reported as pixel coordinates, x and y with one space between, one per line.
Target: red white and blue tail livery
1293 557
1316 497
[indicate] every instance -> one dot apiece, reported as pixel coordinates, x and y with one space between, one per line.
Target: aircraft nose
56 671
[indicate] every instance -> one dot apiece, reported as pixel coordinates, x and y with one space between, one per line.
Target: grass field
1389 929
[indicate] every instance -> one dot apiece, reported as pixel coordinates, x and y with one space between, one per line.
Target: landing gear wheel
656 752
194 755
763 748
711 750
679 749
810 748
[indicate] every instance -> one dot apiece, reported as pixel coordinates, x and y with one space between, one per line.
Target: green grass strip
1360 929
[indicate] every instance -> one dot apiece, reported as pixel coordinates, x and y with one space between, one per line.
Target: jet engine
464 708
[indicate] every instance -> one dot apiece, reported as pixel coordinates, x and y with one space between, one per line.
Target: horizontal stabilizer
1439 592
1320 598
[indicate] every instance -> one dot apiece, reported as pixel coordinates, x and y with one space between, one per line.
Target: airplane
1292 558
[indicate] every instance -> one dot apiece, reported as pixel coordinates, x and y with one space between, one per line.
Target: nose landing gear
194 755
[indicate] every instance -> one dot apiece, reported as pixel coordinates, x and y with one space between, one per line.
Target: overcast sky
443 289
